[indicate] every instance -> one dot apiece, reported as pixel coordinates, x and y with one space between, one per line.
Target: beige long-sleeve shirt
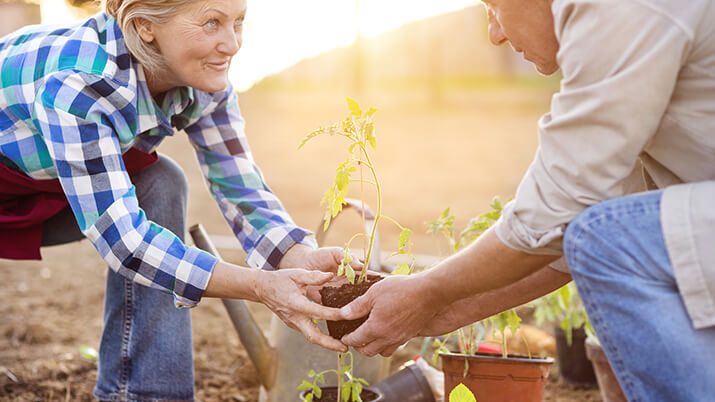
638 90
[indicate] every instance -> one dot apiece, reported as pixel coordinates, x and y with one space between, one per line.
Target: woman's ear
145 29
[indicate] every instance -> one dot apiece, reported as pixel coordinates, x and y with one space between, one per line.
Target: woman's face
528 25
197 44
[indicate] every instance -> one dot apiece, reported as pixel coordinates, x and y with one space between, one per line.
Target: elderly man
636 109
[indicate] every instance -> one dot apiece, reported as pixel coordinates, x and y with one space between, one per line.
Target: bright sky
279 33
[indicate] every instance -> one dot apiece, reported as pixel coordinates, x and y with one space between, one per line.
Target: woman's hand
326 259
284 292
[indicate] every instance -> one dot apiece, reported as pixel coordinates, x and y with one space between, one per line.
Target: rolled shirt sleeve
74 113
255 214
620 62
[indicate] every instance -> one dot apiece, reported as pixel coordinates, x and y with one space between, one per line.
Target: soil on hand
341 296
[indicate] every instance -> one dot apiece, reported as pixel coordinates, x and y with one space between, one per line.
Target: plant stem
340 376
394 221
504 352
378 215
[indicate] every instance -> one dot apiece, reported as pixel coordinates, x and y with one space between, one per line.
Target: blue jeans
620 263
145 353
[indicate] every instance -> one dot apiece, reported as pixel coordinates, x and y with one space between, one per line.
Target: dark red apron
25 205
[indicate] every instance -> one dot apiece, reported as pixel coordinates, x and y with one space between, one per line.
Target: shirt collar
156 118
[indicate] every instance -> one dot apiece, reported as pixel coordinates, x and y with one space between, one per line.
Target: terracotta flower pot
330 394
493 378
608 383
341 296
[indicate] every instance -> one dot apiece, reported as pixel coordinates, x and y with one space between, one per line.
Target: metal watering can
283 358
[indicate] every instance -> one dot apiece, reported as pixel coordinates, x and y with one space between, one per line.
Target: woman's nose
231 42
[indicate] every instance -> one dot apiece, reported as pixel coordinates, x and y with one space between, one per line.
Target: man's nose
496 34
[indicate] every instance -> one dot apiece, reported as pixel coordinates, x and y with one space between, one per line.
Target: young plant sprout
471 336
358 129
349 386
564 306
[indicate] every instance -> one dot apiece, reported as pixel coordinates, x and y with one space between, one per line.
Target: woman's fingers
311 278
305 307
313 334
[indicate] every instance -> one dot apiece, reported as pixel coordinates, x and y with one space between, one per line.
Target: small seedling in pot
358 129
470 337
564 306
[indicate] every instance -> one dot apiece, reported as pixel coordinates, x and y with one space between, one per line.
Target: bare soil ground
457 154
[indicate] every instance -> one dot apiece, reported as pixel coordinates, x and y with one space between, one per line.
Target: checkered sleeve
77 114
255 214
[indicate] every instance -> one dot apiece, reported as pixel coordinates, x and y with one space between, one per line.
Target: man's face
528 25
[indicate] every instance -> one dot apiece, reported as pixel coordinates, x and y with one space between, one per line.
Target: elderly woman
82 109
636 111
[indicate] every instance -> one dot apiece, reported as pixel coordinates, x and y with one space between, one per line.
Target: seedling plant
470 337
564 306
358 129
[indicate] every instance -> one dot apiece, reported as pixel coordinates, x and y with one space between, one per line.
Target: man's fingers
313 334
360 337
358 308
388 351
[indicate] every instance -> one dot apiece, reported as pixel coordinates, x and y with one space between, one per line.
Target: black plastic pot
368 394
574 366
407 385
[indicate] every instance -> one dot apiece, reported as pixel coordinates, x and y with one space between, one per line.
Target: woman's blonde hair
128 14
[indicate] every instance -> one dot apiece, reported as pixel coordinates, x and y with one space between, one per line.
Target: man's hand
399 307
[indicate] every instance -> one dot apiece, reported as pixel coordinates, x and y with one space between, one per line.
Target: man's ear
145 28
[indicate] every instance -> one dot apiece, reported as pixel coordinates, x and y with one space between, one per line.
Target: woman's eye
238 25
212 23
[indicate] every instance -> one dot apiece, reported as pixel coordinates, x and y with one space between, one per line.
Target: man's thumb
358 308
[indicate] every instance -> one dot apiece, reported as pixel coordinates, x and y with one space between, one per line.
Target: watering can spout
258 348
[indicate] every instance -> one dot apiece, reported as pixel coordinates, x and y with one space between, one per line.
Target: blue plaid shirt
72 100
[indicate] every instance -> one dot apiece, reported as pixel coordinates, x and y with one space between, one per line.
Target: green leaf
345 393
310 136
370 111
354 107
350 274
461 393
311 373
308 398
405 237
401 269
370 135
305 386
88 353
357 390
513 320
